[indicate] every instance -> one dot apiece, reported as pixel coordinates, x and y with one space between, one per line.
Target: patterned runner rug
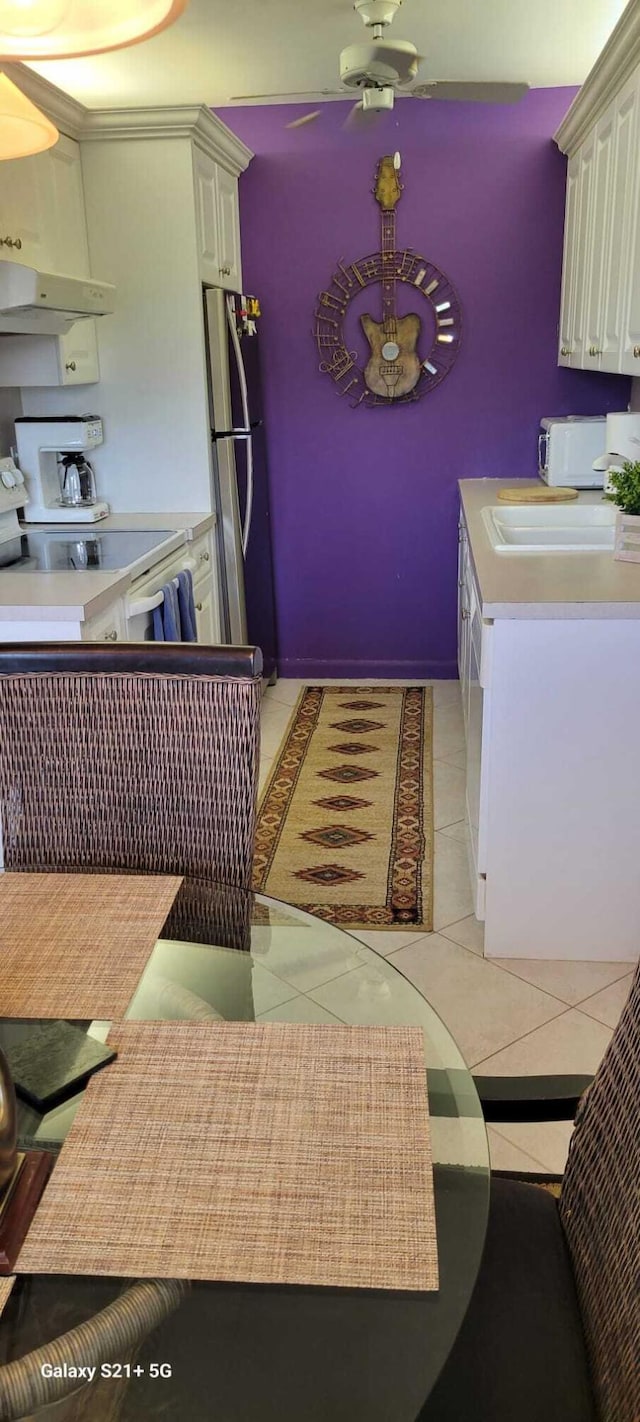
345 827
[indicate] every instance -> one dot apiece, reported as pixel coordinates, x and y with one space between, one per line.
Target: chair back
142 758
600 1212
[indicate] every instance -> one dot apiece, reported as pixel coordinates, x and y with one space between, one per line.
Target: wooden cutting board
533 494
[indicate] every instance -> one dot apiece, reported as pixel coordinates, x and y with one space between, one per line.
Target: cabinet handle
225 271
594 351
464 613
11 242
566 351
636 352
70 365
460 582
205 557
198 607
110 636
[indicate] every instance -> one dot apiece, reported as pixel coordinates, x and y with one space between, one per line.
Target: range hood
45 304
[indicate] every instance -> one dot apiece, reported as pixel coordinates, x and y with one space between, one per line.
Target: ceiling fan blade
306 118
471 93
284 98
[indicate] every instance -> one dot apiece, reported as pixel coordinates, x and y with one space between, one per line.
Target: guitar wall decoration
399 368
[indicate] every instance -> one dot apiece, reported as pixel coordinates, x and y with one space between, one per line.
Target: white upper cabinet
229 230
66 221
46 200
601 161
582 241
600 305
25 202
627 199
218 222
570 264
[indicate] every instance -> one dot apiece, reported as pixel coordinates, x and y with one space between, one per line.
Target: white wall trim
194 121
67 114
619 58
172 121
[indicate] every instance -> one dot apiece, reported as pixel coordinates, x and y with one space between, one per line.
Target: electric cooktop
82 552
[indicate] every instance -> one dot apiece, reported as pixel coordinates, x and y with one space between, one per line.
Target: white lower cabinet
109 626
207 622
202 561
553 770
474 683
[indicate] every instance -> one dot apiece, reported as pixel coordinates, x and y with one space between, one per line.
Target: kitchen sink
550 528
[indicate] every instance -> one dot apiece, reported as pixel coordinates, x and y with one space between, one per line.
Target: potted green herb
624 492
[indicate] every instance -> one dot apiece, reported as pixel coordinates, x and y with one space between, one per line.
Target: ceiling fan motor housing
373 100
384 62
377 12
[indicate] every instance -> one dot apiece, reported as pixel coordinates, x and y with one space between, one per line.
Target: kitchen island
549 658
94 604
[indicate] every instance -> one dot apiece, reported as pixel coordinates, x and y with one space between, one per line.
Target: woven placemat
259 1153
75 945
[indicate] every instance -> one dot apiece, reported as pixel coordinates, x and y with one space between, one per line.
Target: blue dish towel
187 607
166 617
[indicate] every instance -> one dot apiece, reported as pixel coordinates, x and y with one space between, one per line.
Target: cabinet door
600 236
25 202
67 223
463 613
570 264
205 177
207 623
78 354
229 230
109 626
584 246
626 199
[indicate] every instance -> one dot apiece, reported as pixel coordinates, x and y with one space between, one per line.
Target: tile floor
507 1016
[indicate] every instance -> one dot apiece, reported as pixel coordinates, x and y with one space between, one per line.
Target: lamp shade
63 29
23 128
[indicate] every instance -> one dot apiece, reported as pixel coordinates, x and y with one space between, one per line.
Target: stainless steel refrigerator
240 476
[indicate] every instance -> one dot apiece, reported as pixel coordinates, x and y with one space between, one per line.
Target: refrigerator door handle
235 341
249 504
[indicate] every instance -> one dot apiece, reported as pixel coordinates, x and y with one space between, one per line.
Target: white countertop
545 584
42 596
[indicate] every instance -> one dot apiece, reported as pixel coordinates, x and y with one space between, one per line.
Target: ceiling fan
382 69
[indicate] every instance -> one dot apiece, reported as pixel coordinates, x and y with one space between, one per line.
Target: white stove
83 550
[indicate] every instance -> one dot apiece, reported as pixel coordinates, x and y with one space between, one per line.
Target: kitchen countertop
77 596
532 585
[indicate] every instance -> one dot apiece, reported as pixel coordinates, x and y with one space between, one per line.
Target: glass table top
291 1354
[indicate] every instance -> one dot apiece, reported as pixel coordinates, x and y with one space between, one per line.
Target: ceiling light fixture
64 29
23 128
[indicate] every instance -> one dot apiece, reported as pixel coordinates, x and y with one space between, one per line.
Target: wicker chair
141 758
115 1334
553 1330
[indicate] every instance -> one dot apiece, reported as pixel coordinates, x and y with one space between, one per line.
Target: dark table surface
266 1354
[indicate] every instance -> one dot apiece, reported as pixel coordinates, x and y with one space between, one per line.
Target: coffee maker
59 477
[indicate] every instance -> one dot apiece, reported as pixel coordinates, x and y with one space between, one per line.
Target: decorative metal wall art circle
395 372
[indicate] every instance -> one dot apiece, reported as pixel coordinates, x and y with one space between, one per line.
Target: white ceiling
219 48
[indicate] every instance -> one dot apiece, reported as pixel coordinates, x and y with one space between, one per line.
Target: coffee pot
77 481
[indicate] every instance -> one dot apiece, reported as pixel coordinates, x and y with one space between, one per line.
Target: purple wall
365 501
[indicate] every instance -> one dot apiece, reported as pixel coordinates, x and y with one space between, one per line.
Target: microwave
567 447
